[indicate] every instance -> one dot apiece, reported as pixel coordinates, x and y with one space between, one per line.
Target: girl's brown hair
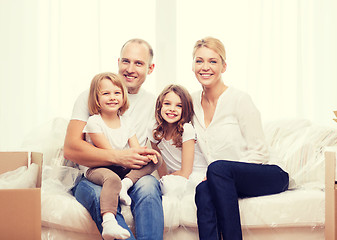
186 116
93 102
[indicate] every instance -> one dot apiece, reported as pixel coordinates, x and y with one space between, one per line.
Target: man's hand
135 158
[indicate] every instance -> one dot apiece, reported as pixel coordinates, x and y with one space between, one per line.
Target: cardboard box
20 209
330 193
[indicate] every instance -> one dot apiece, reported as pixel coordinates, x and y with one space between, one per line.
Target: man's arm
83 153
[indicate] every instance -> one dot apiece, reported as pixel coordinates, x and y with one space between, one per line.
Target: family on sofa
217 129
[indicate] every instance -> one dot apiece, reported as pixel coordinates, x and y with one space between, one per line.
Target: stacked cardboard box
20 209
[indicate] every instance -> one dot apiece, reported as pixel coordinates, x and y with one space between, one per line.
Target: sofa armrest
330 194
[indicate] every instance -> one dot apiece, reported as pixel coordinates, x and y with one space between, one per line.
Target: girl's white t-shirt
172 155
118 137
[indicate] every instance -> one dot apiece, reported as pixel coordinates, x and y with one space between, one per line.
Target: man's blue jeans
146 206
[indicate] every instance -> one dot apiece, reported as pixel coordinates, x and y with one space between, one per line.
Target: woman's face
208 67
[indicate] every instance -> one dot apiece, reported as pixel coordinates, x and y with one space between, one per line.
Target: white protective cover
22 177
297 145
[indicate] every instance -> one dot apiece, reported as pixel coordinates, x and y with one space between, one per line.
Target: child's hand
153 158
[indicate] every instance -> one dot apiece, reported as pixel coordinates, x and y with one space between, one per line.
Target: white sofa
297 213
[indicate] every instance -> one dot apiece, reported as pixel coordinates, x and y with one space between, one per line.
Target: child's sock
123 195
111 228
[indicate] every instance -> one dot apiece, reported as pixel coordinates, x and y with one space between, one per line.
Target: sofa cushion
298 147
291 208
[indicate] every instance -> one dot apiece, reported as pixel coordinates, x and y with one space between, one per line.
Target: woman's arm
84 153
187 158
251 128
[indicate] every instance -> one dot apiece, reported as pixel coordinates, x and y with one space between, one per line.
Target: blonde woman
230 135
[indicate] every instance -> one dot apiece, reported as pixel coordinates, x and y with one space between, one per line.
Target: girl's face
208 67
171 109
110 97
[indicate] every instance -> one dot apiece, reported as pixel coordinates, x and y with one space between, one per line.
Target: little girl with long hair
107 128
174 135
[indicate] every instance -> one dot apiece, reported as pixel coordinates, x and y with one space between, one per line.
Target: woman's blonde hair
211 43
186 116
93 102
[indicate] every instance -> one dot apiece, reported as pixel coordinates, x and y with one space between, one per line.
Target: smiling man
134 64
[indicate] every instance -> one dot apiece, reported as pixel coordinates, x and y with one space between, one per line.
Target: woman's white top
172 154
235 132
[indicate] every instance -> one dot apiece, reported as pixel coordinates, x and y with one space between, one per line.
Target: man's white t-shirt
140 112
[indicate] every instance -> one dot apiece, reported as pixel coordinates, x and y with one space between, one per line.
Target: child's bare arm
187 159
133 142
100 140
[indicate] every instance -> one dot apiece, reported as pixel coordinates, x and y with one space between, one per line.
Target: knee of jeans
147 185
214 165
220 167
200 188
87 192
200 191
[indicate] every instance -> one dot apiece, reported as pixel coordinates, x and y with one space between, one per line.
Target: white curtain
50 51
282 52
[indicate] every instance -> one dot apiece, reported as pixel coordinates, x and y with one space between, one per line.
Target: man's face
134 65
